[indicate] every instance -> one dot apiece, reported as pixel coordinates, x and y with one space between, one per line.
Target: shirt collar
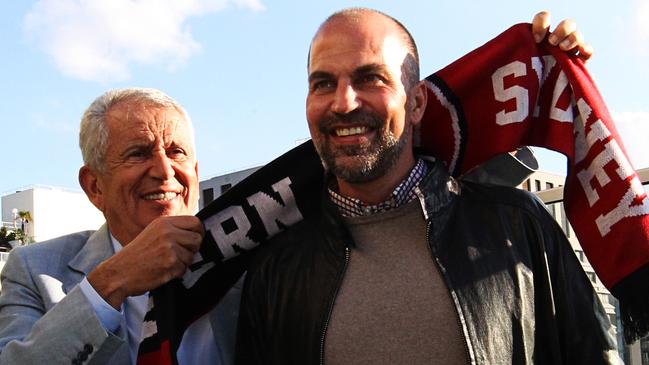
116 245
401 195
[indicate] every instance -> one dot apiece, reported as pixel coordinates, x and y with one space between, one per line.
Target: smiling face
150 168
358 107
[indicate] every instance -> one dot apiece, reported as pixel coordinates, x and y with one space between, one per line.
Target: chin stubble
370 160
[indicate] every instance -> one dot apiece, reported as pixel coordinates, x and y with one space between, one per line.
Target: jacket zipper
331 304
438 266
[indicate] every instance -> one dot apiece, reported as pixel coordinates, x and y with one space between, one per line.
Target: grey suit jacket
46 319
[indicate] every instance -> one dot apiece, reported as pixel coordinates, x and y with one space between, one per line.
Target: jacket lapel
97 249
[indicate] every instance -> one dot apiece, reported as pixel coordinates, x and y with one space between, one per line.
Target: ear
90 183
419 99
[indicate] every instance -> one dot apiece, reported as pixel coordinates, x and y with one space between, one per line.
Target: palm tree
25 217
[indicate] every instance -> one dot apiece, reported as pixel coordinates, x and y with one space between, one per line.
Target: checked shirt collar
402 194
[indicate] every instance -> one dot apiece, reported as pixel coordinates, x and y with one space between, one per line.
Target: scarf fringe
633 295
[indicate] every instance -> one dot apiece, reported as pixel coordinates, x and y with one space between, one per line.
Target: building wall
21 200
3 259
213 187
55 211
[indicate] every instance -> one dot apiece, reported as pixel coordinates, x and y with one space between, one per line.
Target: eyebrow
372 67
362 70
320 75
134 147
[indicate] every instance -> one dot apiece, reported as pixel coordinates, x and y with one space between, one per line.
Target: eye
371 79
136 154
322 85
176 152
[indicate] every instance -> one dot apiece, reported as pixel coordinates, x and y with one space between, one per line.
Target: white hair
93 133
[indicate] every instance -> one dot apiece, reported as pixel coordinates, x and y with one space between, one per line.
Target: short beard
371 160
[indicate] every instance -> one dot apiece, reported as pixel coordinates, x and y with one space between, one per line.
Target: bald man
405 264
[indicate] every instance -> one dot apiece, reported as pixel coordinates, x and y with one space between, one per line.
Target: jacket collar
437 189
97 249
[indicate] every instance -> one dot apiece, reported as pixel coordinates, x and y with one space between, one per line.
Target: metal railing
9 225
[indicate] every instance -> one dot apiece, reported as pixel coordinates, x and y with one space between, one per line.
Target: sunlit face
357 103
150 168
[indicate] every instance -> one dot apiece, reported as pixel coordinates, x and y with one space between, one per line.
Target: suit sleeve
30 333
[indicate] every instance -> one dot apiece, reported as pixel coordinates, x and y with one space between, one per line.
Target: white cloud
97 40
634 131
41 122
251 4
640 26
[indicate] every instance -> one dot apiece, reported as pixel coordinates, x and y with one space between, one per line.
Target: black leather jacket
519 290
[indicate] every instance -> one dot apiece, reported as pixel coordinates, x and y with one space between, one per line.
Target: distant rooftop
41 186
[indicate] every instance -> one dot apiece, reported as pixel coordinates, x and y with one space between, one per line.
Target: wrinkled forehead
130 118
372 36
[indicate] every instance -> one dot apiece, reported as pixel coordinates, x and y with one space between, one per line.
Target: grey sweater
393 306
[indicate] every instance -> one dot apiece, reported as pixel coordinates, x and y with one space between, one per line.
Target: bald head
354 16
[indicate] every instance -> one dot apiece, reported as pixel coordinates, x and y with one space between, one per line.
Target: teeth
161 196
342 132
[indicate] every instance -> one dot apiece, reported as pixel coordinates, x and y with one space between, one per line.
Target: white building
55 211
3 259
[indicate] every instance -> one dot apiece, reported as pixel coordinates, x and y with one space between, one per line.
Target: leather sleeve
586 332
251 327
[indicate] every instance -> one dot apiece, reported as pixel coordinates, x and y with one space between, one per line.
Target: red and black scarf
508 93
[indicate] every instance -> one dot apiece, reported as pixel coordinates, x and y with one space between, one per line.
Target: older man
82 297
406 265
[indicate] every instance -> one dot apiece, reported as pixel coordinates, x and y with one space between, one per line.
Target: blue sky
238 67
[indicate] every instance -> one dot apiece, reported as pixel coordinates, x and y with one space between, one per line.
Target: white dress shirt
197 346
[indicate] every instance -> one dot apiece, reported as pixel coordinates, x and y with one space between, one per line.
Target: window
225 187
537 185
549 185
565 225
208 196
612 318
552 208
526 185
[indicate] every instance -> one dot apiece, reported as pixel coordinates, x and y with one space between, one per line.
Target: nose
346 99
162 166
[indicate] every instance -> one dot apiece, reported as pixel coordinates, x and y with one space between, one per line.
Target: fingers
540 25
189 240
571 41
565 35
586 51
180 261
186 222
188 232
161 252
